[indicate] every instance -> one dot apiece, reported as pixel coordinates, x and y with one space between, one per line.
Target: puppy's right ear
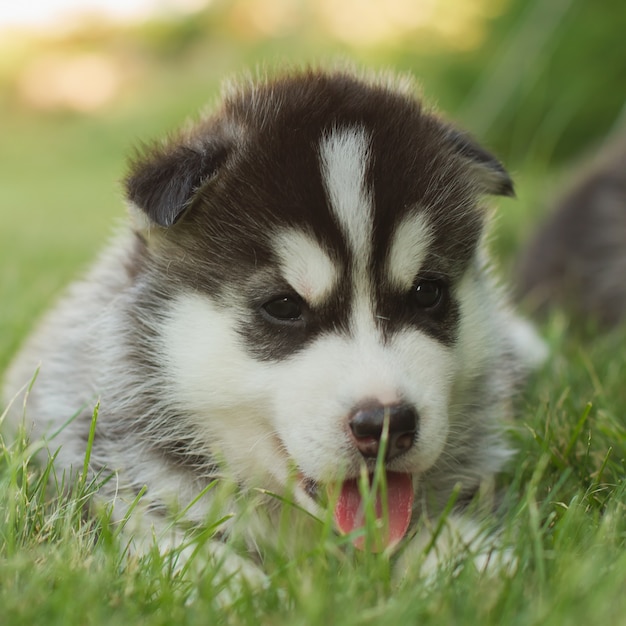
164 179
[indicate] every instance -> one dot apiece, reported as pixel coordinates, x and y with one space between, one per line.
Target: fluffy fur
311 250
577 258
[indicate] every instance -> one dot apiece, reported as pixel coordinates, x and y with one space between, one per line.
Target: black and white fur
313 247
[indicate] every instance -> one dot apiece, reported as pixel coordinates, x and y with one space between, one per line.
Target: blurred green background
541 82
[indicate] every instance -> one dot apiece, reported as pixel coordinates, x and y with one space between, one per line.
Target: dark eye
284 308
427 294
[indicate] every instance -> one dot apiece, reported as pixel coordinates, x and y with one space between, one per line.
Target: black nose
368 423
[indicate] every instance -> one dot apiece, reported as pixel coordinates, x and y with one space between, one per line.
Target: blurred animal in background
577 258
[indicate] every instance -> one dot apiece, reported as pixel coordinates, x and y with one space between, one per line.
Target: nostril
402 420
368 423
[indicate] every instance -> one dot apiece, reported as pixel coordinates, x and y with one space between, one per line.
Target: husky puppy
577 258
303 291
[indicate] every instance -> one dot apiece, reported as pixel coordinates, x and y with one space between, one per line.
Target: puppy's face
317 244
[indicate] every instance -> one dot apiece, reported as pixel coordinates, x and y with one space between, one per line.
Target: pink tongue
349 510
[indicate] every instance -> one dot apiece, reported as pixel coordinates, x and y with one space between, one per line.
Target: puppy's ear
164 179
490 173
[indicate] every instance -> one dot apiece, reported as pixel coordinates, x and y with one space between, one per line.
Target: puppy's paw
200 562
216 565
458 543
233 573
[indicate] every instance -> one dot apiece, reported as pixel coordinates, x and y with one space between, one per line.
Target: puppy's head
317 242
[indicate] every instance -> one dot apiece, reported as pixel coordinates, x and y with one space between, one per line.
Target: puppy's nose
368 423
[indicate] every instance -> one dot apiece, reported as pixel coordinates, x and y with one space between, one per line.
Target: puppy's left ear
490 174
164 179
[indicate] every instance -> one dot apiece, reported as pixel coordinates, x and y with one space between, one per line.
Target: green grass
563 492
564 520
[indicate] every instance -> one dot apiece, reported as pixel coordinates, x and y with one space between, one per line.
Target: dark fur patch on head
254 168
491 174
164 178
397 311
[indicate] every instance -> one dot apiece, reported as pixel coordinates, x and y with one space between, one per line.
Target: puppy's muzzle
368 424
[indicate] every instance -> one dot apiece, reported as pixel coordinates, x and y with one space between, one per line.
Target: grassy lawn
564 517
564 521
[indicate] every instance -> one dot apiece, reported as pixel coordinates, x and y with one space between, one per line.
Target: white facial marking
345 154
306 266
294 411
337 373
221 390
408 249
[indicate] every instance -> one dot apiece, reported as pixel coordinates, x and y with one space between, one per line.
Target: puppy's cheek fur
337 374
222 392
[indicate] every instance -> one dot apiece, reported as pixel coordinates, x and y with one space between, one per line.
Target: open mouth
386 501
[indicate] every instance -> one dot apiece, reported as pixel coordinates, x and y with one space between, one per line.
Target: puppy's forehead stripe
306 266
409 249
345 155
345 159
